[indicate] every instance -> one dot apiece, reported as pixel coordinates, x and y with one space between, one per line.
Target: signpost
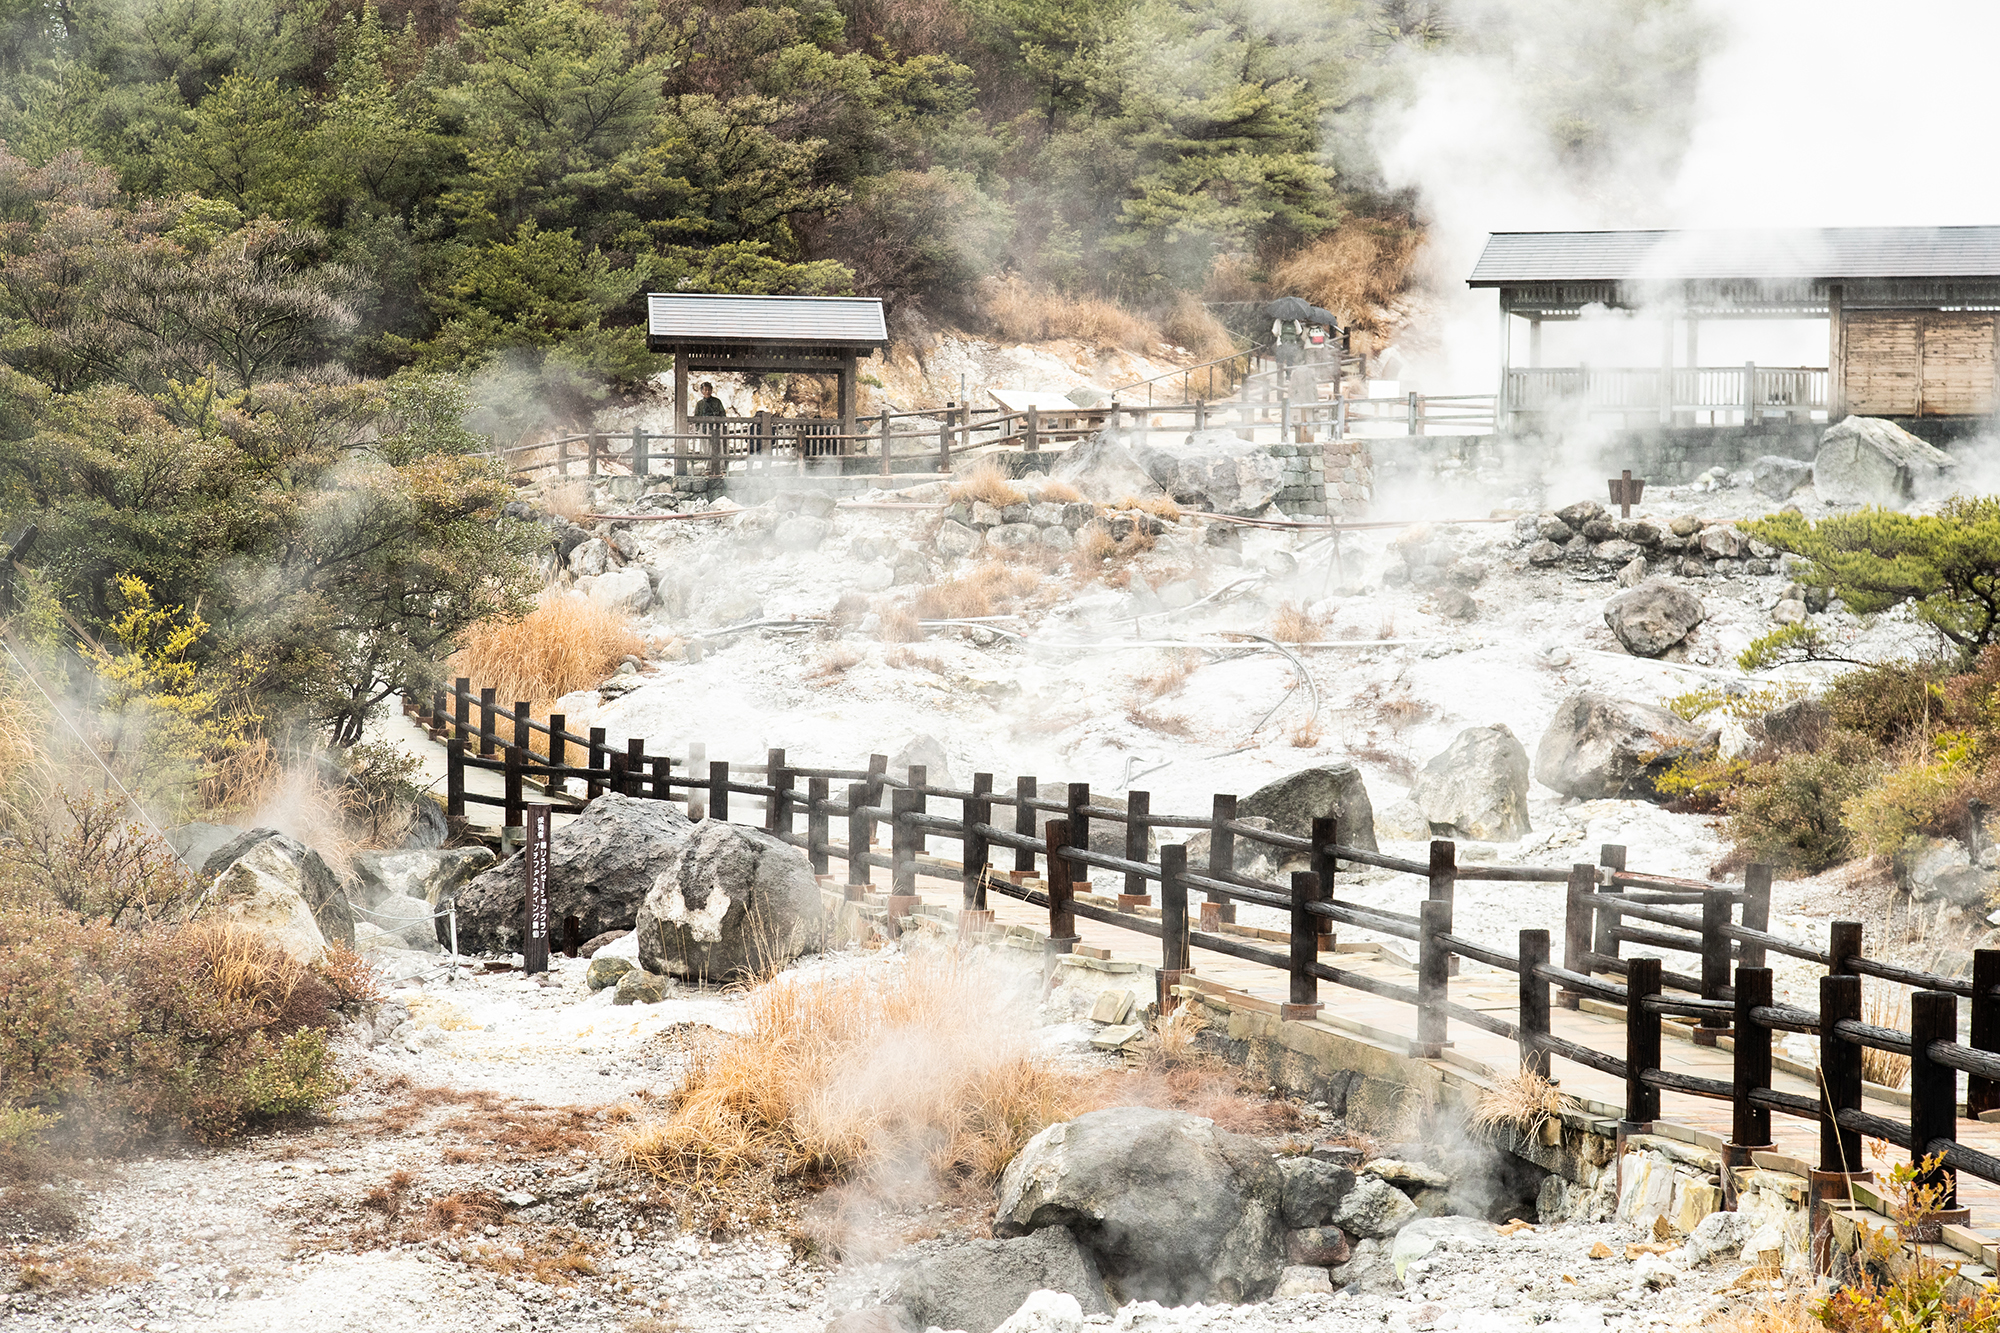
535 926
1625 491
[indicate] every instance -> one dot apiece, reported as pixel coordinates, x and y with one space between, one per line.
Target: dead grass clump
1524 1102
566 643
1178 665
1358 271
848 611
1305 735
1791 1312
899 625
387 1198
1159 506
836 661
1060 493
1175 1037
904 659
1094 545
986 482
987 589
554 1260
467 1210
1888 1007
1164 724
1191 325
567 499
1023 313
1292 623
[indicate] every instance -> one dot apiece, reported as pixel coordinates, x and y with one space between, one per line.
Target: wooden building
793 335
1910 311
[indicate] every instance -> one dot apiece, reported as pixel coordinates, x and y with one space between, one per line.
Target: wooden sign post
535 926
1625 491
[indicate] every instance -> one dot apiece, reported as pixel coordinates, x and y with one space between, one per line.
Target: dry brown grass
1292 623
567 643
1888 1007
1160 506
1060 493
568 499
836 661
899 625
1358 271
986 482
1305 735
987 589
1094 544
905 659
1190 325
1177 665
1175 1036
1023 313
1790 1312
1525 1102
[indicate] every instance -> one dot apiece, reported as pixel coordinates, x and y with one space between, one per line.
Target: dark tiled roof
1665 256
765 321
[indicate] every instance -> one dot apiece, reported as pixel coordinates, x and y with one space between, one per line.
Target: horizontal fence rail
1057 834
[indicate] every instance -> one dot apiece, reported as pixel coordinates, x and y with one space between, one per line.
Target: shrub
566 643
1021 313
86 854
1789 812
1888 703
1924 796
1915 1290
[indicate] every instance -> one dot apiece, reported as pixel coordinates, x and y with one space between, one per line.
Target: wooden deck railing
1744 394
1724 929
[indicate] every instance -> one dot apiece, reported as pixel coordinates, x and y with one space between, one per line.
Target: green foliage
1743 706
1890 702
1944 566
1787 644
1907 1289
1925 795
1790 811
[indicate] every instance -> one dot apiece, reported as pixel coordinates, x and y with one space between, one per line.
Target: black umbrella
1294 307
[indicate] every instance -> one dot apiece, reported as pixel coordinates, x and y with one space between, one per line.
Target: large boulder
1477 788
300 868
410 922
601 865
731 902
1653 617
1939 870
1172 1208
1215 471
265 888
628 590
1868 461
430 874
195 843
1597 746
1294 801
977 1286
1780 477
1103 468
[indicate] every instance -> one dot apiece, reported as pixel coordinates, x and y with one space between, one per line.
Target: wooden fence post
778 807
1062 921
1983 1094
562 457
697 801
642 458
1138 847
1034 431
888 441
1216 907
878 774
944 441
816 821
1325 836
1750 1125
976 811
1933 1087
635 766
857 839
592 447
617 779
1304 950
902 852
439 718
1756 913
1576 929
516 806
489 739
1839 1090
454 778
1433 976
1075 797
1715 951
1025 790
663 787
1534 1002
557 722
718 790
1603 943
1642 1040
1173 920
594 788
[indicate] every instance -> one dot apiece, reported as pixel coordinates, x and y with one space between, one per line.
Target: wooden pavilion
794 335
1910 311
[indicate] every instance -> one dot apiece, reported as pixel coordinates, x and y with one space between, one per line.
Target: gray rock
1780 477
195 843
1373 1209
1172 1208
873 576
1687 525
1297 1281
1544 553
1580 513
627 590
1616 551
978 1285
874 1319
1325 1247
1633 574
1311 1190
1796 723
1553 529
1465 573
606 972
1045 513
409 920
1058 538
639 987
1722 543
1258 860
590 558
1790 611
1294 801
1653 617
1104 469
985 515
1865 460
1419 1238
957 540
1639 532
1454 604
302 870
1939 870
1013 537
601 866
922 748
1597 746
1215 472
802 532
431 875
1409 1177
1478 787
730 902
1076 513
589 948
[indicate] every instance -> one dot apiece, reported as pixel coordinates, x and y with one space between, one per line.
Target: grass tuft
985 482
567 643
1292 623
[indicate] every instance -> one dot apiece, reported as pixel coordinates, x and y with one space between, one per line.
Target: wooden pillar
1062 921
1534 1001
1840 1072
1642 1041
557 723
1715 950
1534 342
816 802
680 414
844 395
1666 369
1750 1125
1603 943
1500 404
1304 942
1836 355
1173 922
1983 1094
857 839
1024 823
1577 918
1933 1087
1138 843
975 812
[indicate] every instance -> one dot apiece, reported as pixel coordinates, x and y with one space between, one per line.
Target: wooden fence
1048 833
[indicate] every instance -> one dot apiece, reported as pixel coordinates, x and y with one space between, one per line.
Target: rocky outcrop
429 875
195 843
1215 471
1172 1208
1477 788
731 902
601 866
265 887
1104 469
979 1285
1868 461
286 863
1294 801
1597 746
1653 617
1780 477
1940 870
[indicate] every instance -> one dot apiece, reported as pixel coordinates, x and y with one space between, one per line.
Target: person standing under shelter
708 414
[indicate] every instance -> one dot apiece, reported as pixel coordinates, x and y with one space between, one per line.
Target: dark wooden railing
1724 929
